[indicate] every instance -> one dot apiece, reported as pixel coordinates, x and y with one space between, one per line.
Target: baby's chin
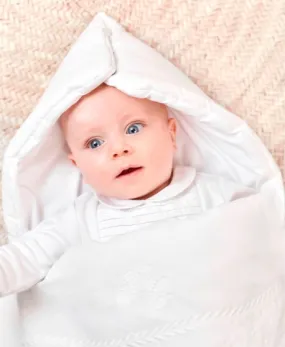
141 194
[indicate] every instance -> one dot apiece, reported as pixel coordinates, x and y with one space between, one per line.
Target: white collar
183 176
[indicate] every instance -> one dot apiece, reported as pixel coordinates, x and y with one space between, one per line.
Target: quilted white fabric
213 280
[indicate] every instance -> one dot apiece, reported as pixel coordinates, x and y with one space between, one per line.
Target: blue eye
134 128
95 143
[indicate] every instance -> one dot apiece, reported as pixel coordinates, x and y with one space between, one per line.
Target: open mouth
129 171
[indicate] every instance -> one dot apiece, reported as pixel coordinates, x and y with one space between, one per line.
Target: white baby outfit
27 260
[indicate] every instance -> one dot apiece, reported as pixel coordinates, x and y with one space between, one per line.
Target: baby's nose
120 153
121 150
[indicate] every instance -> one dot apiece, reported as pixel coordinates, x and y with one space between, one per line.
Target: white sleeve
26 261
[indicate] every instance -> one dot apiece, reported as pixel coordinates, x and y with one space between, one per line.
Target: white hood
38 179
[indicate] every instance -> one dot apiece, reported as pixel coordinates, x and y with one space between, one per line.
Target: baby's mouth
129 171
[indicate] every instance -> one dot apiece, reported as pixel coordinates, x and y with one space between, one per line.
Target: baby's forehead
109 104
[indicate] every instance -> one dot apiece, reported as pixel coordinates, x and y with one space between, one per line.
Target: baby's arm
26 261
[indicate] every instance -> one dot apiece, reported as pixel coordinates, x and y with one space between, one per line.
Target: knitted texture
234 50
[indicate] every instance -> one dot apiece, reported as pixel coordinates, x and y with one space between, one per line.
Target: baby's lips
128 170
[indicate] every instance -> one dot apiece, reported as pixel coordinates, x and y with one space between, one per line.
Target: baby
125 149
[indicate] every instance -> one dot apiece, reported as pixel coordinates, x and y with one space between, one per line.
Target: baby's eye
134 128
95 143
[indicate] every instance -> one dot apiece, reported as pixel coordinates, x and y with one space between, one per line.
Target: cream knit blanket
233 49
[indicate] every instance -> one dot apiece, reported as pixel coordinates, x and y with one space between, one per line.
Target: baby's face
123 146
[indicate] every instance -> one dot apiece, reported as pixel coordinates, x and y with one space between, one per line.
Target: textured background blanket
233 49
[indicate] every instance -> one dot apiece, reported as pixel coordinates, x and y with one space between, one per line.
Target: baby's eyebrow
85 134
92 127
90 130
125 117
134 116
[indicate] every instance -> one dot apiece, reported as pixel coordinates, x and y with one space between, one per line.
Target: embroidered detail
115 222
141 288
258 322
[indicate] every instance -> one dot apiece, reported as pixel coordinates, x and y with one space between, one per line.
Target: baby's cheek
163 151
86 166
98 171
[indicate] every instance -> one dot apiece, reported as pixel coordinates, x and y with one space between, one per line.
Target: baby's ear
71 158
172 129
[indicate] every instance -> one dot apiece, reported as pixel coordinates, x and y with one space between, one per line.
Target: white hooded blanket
210 281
